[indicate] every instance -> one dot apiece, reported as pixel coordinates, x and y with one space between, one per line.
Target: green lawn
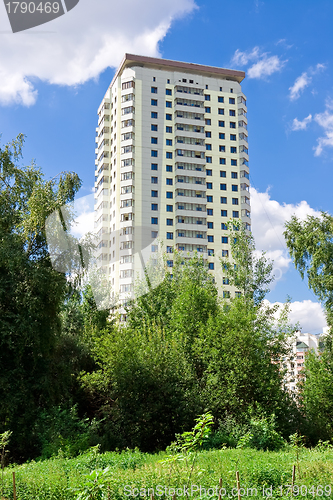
55 479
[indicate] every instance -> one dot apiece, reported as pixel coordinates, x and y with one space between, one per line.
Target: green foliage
249 274
31 292
262 435
310 244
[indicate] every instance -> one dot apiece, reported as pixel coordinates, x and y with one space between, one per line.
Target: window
169 236
223 200
169 194
169 142
168 155
154 234
169 222
232 112
208 121
210 225
209 211
208 134
210 239
221 123
220 99
221 136
211 265
154 220
223 173
154 127
225 253
224 226
208 159
168 104
208 147
235 201
209 185
234 175
154 180
168 117
210 252
154 90
154 153
207 109
224 239
169 182
223 187
154 166
231 100
154 194
169 208
234 164
168 130
168 91
238 294
207 97
154 140
232 124
233 149
154 79
170 263
154 206
232 137
209 199
221 111
153 102
234 187
169 249
222 149
169 168
153 114
222 161
209 172
224 213
154 248
235 214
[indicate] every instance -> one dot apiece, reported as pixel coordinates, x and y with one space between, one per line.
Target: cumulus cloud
301 124
268 219
325 120
82 43
310 315
263 66
304 81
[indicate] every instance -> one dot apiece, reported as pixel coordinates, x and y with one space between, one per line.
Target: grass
61 478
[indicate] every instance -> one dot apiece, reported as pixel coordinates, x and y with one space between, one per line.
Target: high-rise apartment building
171 166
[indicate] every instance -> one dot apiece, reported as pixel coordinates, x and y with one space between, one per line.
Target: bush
262 435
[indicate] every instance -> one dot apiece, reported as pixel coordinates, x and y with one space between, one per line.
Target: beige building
171 166
300 346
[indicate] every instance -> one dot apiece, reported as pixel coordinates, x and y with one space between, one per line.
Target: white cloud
304 81
310 315
301 124
264 65
90 38
242 58
300 83
268 219
325 120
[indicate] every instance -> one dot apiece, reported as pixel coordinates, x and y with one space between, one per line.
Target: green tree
31 293
310 244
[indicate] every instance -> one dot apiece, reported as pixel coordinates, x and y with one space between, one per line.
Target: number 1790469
32 7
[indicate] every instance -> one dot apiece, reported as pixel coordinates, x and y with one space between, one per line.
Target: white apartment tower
171 166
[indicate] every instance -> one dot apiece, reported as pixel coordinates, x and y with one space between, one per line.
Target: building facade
171 166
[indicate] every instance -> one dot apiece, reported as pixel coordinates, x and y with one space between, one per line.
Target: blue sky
52 81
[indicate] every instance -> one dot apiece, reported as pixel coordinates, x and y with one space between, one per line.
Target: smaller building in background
301 344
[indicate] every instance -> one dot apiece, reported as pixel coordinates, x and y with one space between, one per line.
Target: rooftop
166 64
